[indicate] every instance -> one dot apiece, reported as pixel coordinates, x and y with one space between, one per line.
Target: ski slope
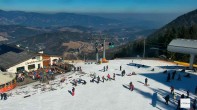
110 95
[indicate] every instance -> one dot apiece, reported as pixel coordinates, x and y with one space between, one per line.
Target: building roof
186 46
6 77
10 59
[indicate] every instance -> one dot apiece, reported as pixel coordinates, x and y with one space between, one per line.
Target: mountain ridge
52 19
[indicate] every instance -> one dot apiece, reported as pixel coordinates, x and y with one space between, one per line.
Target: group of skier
131 85
3 96
173 76
103 79
77 68
105 68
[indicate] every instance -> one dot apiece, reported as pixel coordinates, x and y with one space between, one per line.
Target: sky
101 6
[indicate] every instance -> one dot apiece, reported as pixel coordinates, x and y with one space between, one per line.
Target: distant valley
59 33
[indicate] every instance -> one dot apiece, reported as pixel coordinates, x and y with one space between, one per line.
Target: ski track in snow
110 95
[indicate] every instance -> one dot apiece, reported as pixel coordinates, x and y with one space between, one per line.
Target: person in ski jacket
172 90
146 81
98 79
73 91
109 77
114 75
167 98
2 96
103 78
131 86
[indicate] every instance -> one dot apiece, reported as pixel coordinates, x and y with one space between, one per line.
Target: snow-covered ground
110 95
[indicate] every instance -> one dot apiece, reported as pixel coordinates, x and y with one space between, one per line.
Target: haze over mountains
49 31
50 20
87 20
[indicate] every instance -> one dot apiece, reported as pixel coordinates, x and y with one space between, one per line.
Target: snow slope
110 95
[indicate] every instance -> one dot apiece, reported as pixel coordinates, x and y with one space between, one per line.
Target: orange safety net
8 87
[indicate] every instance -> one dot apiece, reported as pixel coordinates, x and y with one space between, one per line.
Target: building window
20 69
31 67
38 66
38 58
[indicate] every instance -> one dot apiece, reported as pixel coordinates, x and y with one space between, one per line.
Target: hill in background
184 26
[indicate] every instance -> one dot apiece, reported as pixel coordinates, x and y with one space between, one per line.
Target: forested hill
184 26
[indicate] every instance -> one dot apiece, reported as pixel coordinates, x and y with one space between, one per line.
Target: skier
5 96
104 69
154 99
1 96
103 78
146 81
120 68
80 68
73 91
109 78
74 69
131 86
98 79
172 90
107 68
167 98
114 76
168 78
123 73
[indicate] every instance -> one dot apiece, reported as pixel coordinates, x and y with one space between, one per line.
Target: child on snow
131 86
73 91
146 81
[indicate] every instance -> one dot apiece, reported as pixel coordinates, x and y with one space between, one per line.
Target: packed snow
110 95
